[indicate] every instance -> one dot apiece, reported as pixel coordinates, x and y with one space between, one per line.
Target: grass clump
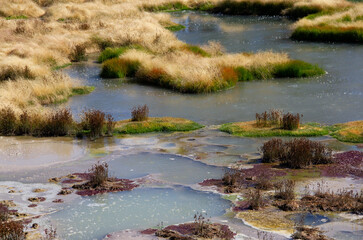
328 34
7 121
110 53
296 69
119 68
78 53
165 124
296 153
244 74
140 113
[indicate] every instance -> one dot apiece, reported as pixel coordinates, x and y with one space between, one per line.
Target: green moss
156 125
197 50
175 28
119 68
82 90
61 66
16 17
328 34
296 69
248 130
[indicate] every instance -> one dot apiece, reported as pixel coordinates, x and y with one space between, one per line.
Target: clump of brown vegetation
97 181
274 117
140 113
270 118
93 122
98 174
10 229
200 228
340 201
296 153
285 190
78 53
309 233
291 121
255 199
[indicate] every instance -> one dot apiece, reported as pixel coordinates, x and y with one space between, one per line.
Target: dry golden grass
31 48
351 17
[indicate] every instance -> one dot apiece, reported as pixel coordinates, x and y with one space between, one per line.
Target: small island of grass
157 124
250 129
274 123
349 132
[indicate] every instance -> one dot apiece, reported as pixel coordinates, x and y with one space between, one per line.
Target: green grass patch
110 53
175 28
249 129
296 69
164 124
328 34
16 17
348 132
119 68
82 90
197 50
55 68
244 74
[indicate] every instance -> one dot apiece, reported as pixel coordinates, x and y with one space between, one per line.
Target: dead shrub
93 122
272 150
291 121
140 113
232 181
285 190
270 118
255 199
98 174
296 153
57 123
